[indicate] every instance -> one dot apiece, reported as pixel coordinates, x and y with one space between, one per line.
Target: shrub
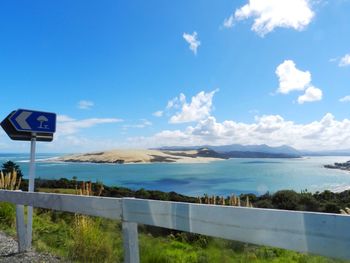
308 202
332 207
263 204
286 199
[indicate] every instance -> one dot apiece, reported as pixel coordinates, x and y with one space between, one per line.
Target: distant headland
342 166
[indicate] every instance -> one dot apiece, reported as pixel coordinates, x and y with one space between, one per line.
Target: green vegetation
173 250
7 215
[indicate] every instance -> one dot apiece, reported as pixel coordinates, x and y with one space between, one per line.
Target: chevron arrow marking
22 120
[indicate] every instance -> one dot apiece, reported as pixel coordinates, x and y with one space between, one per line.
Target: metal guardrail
317 233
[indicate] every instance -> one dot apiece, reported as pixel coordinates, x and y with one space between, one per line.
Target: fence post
131 242
21 229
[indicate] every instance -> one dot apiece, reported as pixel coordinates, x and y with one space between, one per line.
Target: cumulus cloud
311 94
345 99
85 104
193 41
198 109
325 134
291 78
271 14
345 61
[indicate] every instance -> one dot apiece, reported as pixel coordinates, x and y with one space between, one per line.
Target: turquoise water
220 177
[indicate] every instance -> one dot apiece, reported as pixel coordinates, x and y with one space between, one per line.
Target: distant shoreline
339 166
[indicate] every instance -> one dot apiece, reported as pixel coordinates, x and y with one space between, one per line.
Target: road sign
33 121
23 136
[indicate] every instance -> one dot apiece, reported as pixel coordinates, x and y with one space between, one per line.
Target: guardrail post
131 242
21 229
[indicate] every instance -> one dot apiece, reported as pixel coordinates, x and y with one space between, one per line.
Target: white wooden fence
317 233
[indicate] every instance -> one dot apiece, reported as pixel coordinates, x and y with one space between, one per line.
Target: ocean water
220 177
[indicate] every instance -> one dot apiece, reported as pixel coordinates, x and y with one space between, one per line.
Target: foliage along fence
317 233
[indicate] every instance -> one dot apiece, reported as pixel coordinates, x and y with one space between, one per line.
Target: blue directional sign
33 121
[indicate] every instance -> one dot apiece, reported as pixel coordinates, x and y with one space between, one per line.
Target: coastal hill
243 151
144 156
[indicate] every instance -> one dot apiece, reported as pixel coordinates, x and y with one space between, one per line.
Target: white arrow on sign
21 120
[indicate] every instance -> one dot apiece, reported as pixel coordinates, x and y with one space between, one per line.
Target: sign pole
33 126
31 189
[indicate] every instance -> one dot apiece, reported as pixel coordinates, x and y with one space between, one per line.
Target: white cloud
193 41
271 14
291 78
67 125
269 123
158 113
325 134
64 118
199 108
345 61
229 22
345 99
79 144
146 122
176 102
311 94
142 124
85 104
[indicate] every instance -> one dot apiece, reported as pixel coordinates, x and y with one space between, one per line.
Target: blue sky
137 74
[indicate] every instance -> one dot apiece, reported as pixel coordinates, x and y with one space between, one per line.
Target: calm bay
222 177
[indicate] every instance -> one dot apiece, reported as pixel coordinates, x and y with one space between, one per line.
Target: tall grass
89 244
9 181
232 200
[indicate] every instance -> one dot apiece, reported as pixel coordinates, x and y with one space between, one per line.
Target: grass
58 191
169 250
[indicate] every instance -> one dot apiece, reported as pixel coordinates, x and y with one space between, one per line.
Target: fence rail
317 233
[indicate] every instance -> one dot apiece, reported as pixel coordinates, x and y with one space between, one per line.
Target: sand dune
137 156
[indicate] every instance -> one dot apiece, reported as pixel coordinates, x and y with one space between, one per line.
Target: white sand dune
137 156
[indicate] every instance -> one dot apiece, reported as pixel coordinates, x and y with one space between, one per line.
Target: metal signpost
33 126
